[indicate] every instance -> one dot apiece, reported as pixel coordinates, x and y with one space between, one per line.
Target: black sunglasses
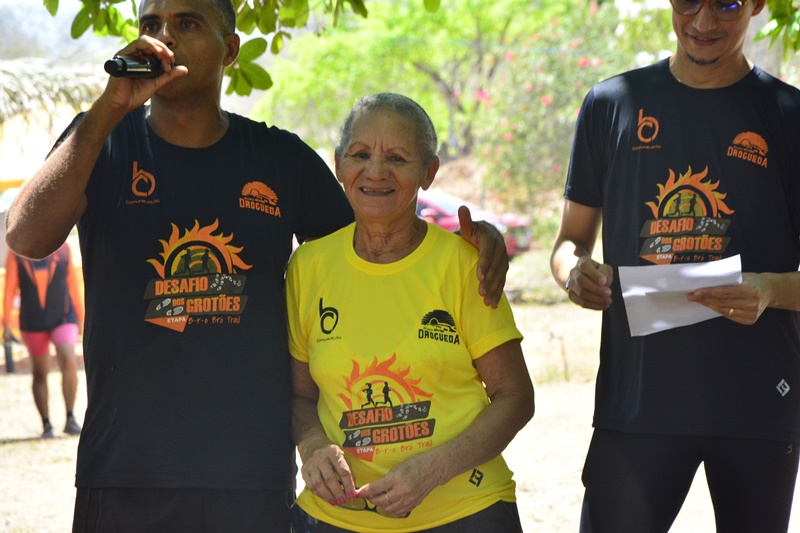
725 11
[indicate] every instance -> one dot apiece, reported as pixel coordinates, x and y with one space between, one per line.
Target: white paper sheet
655 296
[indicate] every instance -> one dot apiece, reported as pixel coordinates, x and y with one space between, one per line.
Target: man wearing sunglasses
693 159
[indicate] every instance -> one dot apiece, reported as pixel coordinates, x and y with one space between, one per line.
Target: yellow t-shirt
391 347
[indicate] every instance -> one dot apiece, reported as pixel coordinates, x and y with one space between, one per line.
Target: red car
442 209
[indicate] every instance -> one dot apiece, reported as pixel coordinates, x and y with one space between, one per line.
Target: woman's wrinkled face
383 167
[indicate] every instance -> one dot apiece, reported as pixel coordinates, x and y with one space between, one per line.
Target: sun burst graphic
405 389
689 195
181 253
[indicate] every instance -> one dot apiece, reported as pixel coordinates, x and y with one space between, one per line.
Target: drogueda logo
750 147
259 197
439 320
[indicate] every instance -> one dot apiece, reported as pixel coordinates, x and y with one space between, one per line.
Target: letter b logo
326 315
648 128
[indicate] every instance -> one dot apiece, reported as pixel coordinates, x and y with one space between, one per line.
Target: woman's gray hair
402 105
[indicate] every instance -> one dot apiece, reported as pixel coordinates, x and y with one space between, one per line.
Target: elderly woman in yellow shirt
407 388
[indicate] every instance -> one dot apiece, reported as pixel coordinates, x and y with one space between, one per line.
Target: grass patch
529 280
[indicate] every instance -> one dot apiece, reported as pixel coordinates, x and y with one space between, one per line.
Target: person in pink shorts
50 311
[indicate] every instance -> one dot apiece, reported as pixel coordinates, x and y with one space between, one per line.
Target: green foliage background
531 109
503 81
437 59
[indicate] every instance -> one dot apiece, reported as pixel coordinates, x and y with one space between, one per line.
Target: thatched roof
31 86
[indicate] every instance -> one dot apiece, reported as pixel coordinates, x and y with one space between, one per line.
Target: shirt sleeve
297 331
325 207
585 175
485 328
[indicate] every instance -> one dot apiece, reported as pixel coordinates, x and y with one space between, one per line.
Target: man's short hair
227 14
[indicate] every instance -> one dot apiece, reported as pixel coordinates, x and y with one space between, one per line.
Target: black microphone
139 67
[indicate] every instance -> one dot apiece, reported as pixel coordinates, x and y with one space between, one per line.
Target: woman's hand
325 469
404 487
327 474
511 394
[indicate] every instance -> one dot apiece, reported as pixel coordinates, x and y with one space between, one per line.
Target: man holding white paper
691 160
656 296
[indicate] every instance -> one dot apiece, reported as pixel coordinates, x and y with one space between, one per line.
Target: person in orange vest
50 311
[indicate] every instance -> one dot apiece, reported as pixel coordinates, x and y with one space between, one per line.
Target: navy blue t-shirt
184 252
688 175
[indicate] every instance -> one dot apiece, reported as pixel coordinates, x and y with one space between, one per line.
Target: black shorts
156 510
501 517
637 482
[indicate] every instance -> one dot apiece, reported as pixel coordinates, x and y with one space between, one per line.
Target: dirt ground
36 477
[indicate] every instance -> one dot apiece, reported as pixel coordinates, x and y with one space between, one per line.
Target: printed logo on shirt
688 224
438 325
385 411
476 477
328 318
199 281
143 185
750 147
647 131
258 196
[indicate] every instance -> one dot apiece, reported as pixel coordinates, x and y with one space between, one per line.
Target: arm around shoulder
493 262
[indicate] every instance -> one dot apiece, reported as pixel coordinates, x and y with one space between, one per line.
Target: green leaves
81 23
277 42
266 20
338 8
783 26
102 17
271 18
51 6
432 6
256 76
245 74
294 13
252 49
358 7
